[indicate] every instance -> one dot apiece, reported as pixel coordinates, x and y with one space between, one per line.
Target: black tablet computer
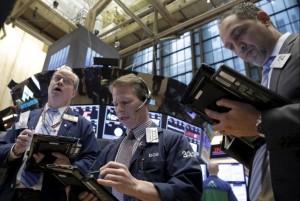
47 144
209 86
72 176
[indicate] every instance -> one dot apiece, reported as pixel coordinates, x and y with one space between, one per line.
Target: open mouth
57 89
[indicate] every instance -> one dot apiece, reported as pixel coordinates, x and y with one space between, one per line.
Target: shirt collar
61 110
139 131
279 44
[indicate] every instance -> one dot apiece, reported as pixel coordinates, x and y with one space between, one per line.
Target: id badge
151 135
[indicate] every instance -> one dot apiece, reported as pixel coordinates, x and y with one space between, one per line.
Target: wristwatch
259 128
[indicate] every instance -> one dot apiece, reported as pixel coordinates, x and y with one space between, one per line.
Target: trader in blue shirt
216 189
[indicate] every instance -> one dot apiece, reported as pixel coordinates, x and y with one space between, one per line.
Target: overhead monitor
90 112
231 172
27 94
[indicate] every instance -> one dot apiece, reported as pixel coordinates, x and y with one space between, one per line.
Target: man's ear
263 17
74 93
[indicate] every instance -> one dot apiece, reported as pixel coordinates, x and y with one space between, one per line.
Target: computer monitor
231 172
205 147
175 124
112 127
90 112
204 171
27 94
156 118
193 133
239 190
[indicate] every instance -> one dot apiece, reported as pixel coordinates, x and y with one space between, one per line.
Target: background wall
21 56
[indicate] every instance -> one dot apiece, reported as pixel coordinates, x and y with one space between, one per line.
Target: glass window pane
209 58
207 46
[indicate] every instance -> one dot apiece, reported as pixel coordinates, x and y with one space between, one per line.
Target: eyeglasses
67 81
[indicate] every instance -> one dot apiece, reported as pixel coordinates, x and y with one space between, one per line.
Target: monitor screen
205 149
216 151
27 94
90 112
193 133
231 172
239 190
112 127
175 124
204 171
156 118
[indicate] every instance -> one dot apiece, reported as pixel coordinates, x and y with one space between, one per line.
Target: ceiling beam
186 26
133 27
19 8
133 16
163 12
94 12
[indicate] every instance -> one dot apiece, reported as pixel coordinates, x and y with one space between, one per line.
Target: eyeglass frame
66 80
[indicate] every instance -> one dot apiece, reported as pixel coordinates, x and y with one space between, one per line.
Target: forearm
146 191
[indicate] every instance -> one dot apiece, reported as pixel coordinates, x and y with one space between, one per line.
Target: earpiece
148 95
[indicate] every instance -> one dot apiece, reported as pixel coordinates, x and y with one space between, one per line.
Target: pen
94 172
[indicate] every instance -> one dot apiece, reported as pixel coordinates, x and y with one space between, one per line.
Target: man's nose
60 81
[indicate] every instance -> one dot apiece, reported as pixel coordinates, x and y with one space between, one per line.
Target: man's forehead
64 73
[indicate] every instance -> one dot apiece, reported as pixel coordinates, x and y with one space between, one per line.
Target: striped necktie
48 119
261 159
124 156
29 178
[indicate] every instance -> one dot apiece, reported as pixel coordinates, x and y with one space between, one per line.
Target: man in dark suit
250 34
65 122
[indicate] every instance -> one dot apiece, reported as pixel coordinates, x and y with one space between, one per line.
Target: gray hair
244 10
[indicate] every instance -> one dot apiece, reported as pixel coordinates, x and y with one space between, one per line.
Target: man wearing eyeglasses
56 119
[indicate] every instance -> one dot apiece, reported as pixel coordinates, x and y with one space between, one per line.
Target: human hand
23 141
86 196
61 159
240 121
117 175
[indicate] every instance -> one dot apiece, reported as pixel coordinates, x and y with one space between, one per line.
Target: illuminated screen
239 190
27 94
206 145
112 127
193 133
175 124
204 171
90 112
216 151
231 172
156 118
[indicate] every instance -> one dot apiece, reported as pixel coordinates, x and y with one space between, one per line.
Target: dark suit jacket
168 164
52 189
282 126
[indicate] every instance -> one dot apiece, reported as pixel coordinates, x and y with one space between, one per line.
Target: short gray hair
244 10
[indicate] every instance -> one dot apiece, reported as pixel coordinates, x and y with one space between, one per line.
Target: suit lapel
34 118
286 48
66 124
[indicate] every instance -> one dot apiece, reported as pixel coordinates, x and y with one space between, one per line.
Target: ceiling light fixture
117 44
208 1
